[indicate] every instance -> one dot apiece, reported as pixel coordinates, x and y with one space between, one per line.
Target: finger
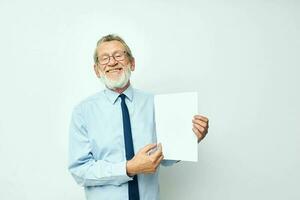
159 146
148 147
199 136
200 122
201 117
159 160
197 132
201 129
157 153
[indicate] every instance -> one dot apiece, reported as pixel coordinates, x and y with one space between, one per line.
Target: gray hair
112 37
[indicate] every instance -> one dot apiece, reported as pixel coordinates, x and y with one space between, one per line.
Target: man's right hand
142 162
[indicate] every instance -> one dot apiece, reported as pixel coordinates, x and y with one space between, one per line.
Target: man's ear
132 62
96 70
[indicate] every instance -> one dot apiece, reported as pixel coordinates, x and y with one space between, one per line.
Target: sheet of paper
173 116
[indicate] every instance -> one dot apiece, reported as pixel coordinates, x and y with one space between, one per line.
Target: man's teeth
117 69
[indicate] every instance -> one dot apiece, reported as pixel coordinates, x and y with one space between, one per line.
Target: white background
241 56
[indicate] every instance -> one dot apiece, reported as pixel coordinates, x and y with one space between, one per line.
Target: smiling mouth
114 70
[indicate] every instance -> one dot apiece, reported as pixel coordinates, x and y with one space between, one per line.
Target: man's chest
105 131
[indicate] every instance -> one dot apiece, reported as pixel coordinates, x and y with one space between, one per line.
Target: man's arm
82 165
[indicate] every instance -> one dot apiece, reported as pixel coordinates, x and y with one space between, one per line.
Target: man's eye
118 55
104 58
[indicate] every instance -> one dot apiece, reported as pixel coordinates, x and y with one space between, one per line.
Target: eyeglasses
118 56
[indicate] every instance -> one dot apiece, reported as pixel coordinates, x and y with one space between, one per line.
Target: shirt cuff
119 169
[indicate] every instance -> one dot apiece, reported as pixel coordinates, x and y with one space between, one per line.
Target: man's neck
121 90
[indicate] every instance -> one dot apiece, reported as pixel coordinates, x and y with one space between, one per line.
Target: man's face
113 70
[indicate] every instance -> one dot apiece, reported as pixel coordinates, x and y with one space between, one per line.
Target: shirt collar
112 96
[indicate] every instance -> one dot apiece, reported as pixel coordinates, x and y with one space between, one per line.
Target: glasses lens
104 59
119 55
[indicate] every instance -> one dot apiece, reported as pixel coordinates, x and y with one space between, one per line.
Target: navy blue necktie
133 188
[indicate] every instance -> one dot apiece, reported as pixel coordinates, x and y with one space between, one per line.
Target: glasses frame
124 53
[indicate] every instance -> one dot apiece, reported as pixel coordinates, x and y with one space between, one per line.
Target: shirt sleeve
84 168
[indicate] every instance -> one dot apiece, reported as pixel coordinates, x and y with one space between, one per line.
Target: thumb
148 147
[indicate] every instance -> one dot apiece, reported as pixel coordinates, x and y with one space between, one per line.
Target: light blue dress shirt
97 158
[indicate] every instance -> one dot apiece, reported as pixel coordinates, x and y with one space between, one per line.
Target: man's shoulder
143 94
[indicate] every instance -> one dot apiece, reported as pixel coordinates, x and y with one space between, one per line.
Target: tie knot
122 96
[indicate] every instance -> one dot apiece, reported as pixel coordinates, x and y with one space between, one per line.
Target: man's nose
112 61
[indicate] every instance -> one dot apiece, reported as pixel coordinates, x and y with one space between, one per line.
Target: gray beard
115 84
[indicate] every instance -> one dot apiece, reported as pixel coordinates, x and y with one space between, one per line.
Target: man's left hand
200 126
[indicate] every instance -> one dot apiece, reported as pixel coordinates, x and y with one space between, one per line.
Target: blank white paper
173 117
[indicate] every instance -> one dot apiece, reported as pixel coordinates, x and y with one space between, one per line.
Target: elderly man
112 144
